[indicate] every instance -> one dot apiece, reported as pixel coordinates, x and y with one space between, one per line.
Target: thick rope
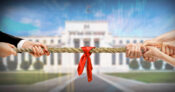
77 50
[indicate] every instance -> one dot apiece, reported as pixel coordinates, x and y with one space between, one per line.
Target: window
45 59
120 41
59 58
23 57
86 43
44 41
113 59
76 55
52 41
59 41
30 59
97 55
135 41
88 33
127 41
52 59
141 41
120 58
86 26
127 60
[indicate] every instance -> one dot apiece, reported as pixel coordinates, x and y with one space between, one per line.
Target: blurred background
77 23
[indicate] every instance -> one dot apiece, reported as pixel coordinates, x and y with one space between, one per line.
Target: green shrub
145 64
38 65
11 65
2 66
25 65
169 67
158 64
134 64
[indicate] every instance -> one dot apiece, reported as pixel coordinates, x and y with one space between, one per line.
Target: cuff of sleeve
20 44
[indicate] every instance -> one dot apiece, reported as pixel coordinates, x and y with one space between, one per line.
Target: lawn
149 77
9 78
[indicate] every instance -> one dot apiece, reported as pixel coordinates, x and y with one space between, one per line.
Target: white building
78 34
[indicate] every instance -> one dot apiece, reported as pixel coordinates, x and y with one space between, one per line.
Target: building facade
76 35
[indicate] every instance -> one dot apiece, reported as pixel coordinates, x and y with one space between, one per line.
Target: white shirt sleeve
20 43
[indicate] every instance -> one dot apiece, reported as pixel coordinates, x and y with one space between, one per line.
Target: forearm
172 43
9 38
170 36
167 58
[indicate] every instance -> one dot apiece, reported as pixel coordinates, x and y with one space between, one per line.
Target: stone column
19 61
152 66
124 59
92 55
4 61
48 63
117 59
139 63
81 45
163 65
55 56
26 57
12 58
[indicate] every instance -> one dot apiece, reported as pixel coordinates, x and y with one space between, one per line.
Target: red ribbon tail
81 65
89 69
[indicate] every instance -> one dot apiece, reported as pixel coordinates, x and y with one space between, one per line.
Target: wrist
21 43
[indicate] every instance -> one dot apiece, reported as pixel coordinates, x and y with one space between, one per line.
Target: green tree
25 65
158 64
38 65
145 64
134 64
11 65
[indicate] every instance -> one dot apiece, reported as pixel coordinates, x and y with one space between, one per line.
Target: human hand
39 49
152 43
134 50
6 49
169 48
152 54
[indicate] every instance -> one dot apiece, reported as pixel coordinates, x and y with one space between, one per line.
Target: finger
150 59
154 59
31 53
132 54
13 52
44 46
37 51
167 50
127 51
12 46
41 52
163 49
138 52
171 51
34 51
146 59
135 52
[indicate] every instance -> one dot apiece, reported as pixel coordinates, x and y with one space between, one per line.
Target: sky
126 18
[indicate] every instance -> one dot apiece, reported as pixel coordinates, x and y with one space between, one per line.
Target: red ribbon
84 58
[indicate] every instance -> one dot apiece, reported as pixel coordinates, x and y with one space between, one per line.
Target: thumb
147 54
13 52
